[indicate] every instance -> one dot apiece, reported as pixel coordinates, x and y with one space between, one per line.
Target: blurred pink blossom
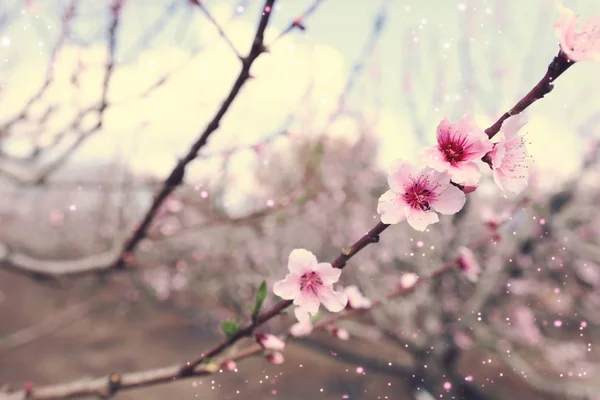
408 280
310 283
356 298
413 194
463 340
460 145
525 323
578 46
468 264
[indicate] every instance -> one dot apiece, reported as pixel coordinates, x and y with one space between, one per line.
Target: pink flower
468 264
269 342
304 326
460 146
310 283
275 358
578 46
415 195
510 160
356 298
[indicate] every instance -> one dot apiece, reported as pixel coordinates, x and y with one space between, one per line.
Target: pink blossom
275 358
468 264
356 298
510 160
415 195
304 326
269 342
310 283
460 145
578 46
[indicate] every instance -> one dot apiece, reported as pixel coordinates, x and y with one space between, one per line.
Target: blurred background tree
99 100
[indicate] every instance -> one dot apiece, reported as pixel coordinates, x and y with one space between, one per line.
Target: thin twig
208 15
298 23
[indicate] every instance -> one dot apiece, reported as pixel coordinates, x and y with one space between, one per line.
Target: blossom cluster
417 193
453 169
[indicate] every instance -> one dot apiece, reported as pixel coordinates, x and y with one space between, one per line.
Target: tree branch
177 174
559 64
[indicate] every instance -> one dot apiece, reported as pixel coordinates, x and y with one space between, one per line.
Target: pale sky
421 42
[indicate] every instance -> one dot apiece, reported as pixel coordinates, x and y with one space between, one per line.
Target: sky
431 59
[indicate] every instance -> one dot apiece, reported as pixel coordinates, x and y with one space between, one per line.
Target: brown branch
200 367
370 237
109 385
115 7
40 174
177 175
559 64
28 265
298 22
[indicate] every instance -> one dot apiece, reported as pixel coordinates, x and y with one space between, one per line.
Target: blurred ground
146 336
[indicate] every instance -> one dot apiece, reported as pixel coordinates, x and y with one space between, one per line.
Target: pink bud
340 333
408 280
269 342
229 365
275 358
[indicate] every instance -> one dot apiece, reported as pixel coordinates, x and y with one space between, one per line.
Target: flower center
454 148
420 194
310 281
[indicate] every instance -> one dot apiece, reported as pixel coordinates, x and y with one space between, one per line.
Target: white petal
308 301
391 208
355 297
327 273
332 300
301 314
419 220
287 288
400 175
467 174
304 326
301 261
450 201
